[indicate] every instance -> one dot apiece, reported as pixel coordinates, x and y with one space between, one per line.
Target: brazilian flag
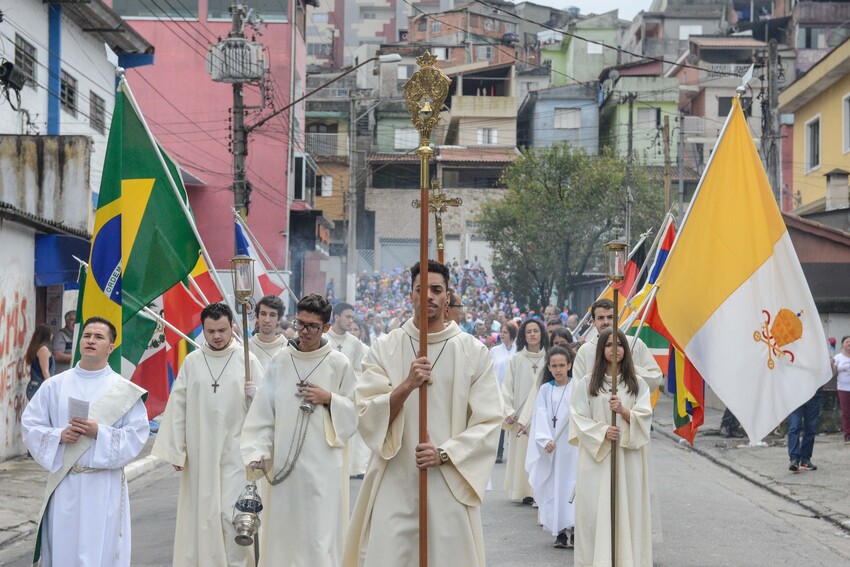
143 241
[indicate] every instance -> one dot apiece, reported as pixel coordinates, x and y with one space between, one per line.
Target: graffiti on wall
16 302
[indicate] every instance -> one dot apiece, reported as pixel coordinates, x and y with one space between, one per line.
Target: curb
132 471
835 518
141 466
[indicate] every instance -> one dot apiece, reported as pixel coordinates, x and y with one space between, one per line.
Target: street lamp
242 274
616 257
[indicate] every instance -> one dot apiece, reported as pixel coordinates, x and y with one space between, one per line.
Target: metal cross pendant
215 387
534 367
339 348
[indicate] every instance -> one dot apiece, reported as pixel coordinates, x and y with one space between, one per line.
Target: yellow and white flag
732 293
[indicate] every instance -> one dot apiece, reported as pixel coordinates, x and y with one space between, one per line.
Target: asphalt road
709 517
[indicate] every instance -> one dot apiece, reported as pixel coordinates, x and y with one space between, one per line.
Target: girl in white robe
592 430
551 460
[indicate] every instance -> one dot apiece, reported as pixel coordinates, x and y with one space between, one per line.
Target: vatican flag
732 295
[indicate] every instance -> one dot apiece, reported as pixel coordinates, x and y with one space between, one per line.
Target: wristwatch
444 457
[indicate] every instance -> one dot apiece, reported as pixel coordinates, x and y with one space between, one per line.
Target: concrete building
654 97
583 56
52 146
820 101
568 113
663 30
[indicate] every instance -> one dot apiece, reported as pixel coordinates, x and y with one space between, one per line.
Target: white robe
464 413
518 390
200 431
304 517
645 365
357 453
552 475
266 351
83 523
501 360
590 417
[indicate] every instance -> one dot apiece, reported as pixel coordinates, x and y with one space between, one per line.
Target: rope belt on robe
80 469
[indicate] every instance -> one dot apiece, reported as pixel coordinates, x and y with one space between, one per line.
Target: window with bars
97 113
68 93
25 59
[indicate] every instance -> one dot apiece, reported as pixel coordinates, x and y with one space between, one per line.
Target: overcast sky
628 8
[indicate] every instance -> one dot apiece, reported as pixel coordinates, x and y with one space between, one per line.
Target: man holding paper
83 426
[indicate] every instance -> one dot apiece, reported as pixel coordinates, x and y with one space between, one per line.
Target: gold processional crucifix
438 203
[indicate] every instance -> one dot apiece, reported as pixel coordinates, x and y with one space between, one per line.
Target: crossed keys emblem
787 327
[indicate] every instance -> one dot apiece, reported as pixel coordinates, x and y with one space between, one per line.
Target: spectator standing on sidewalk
802 428
841 369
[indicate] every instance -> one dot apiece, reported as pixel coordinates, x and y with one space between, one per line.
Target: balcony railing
327 145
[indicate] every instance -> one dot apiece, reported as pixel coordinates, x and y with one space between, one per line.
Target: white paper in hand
78 408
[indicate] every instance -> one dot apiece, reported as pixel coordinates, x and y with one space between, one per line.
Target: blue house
568 113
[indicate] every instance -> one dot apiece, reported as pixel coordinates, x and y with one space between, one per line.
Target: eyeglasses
458 305
311 327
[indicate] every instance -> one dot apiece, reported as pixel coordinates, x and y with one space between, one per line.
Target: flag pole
425 93
149 313
125 87
262 251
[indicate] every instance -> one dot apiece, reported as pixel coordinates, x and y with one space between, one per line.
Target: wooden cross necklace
220 374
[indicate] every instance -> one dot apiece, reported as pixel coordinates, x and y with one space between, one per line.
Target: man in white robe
199 435
464 414
266 341
343 341
295 433
85 518
602 316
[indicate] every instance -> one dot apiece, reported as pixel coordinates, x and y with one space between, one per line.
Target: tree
562 205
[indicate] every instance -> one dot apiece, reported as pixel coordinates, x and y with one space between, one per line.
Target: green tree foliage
562 205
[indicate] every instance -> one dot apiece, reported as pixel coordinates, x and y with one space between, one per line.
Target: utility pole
237 60
241 192
770 137
351 256
665 134
629 158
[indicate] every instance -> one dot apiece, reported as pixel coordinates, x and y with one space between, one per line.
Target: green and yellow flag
143 241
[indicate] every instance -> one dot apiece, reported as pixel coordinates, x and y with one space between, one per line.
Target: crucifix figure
438 203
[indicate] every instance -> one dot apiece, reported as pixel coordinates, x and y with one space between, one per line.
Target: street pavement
721 503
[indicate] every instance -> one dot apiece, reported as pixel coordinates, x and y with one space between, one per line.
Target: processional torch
616 254
425 93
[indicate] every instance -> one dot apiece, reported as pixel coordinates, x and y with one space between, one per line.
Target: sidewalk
22 488
824 492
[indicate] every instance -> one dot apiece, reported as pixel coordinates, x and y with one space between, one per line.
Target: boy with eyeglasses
294 435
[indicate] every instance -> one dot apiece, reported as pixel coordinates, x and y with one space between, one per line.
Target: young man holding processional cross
464 414
266 341
294 435
199 436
